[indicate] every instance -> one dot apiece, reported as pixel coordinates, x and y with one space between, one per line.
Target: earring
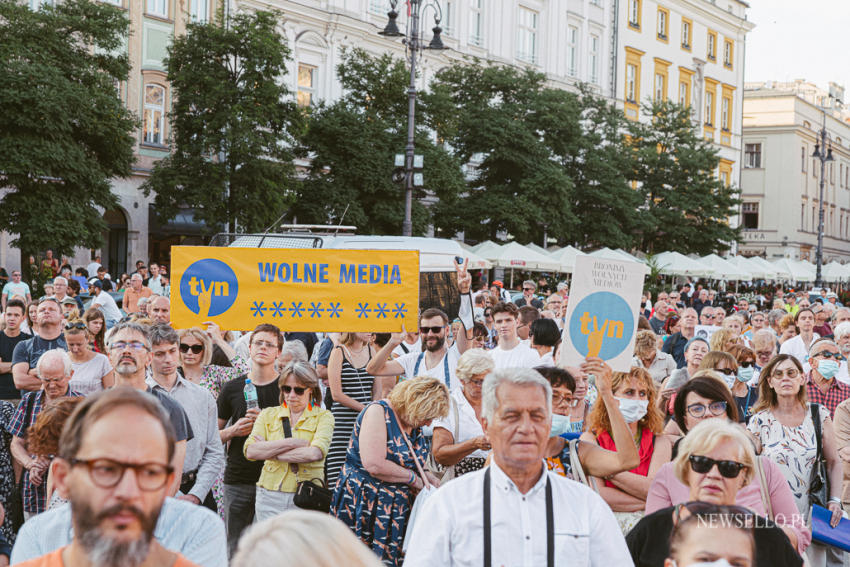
284 403
310 406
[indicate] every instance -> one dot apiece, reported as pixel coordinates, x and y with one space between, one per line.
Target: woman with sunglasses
716 460
784 424
723 363
745 395
196 351
96 326
705 398
91 371
292 438
459 439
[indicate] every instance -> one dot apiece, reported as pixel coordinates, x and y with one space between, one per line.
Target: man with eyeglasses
54 373
114 466
49 337
15 287
821 385
204 459
707 316
528 298
241 475
130 354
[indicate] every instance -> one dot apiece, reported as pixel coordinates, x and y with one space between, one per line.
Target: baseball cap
69 301
498 283
97 284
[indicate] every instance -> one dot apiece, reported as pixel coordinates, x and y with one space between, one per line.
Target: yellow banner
295 289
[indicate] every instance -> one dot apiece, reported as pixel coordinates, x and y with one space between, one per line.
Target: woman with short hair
695 350
723 363
660 365
196 351
374 493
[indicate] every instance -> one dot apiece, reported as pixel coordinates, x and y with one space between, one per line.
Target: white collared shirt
449 529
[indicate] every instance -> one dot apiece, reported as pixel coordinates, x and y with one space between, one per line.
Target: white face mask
560 424
633 410
718 563
730 380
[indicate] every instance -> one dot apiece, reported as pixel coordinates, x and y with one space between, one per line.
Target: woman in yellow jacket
292 438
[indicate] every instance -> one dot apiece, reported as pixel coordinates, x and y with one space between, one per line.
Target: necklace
357 351
637 437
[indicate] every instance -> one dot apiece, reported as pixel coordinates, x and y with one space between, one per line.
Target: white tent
515 255
725 270
614 255
566 257
476 262
835 272
798 271
772 271
538 249
756 270
485 248
676 264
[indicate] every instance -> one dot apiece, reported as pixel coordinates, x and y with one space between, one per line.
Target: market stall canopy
762 268
615 255
676 264
538 249
515 255
724 269
485 248
566 257
797 270
835 272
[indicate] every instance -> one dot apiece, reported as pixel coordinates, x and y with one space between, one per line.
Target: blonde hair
598 420
646 342
707 435
347 338
205 340
720 338
303 536
420 400
474 361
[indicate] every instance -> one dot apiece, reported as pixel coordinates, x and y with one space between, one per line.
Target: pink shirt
667 490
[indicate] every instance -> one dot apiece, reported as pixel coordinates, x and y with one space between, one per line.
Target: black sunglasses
196 349
432 330
726 371
727 469
746 364
298 390
77 325
827 354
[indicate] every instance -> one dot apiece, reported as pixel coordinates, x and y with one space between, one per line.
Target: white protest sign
602 313
705 331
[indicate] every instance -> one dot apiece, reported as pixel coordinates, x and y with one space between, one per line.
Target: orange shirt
54 559
130 304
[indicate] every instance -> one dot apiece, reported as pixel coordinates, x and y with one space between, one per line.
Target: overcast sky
799 39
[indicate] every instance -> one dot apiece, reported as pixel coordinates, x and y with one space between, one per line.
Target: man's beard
126 367
103 551
437 345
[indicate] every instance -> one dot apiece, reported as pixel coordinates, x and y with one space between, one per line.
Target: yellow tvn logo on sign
295 289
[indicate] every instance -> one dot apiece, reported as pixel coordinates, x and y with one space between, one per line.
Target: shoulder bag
308 494
444 474
819 482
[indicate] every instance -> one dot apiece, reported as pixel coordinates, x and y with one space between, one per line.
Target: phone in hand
459 260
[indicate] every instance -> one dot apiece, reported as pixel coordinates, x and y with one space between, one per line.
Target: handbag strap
816 420
419 467
765 497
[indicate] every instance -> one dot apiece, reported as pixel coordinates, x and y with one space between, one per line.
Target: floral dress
375 510
794 449
213 378
7 475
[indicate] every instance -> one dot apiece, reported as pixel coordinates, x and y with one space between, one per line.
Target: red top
647 446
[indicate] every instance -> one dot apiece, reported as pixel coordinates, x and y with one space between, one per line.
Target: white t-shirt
520 356
415 347
469 427
108 306
797 348
88 376
547 359
408 362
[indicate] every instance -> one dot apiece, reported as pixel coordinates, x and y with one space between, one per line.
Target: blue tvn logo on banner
602 325
209 287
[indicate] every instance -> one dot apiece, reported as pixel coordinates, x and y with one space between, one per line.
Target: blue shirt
193 531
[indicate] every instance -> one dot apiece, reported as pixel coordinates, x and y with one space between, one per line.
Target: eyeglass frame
133 345
707 408
90 463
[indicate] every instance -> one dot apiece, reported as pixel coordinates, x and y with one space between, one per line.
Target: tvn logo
601 325
209 287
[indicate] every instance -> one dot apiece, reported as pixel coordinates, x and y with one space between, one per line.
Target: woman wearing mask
705 398
842 339
745 396
626 492
722 363
594 460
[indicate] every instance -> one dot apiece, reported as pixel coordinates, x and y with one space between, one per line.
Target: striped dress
356 384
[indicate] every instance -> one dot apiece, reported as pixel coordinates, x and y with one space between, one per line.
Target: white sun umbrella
614 255
538 249
516 256
677 264
773 271
835 272
725 270
485 248
476 262
566 257
756 271
798 272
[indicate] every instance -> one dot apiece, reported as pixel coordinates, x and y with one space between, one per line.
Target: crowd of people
456 444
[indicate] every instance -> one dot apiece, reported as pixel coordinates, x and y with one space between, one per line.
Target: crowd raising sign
295 289
602 313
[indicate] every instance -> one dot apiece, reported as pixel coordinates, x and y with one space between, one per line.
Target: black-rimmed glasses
107 473
196 349
727 469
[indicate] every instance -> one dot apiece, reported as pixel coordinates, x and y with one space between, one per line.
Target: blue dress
375 510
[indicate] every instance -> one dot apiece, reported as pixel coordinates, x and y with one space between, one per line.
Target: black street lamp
415 45
823 156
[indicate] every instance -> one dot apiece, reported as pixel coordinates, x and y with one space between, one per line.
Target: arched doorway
115 243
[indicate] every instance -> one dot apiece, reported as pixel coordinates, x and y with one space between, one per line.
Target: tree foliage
686 207
352 143
234 125
64 133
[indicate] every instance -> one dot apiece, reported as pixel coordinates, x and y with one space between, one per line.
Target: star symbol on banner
315 309
277 309
296 309
363 310
381 310
400 310
334 309
258 309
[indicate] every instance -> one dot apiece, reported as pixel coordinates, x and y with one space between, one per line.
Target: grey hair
816 346
60 278
51 356
775 315
835 313
163 334
136 276
473 361
295 349
302 371
131 326
841 330
562 285
529 283
516 376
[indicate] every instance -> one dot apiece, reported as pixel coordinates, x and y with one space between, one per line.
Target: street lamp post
415 45
823 156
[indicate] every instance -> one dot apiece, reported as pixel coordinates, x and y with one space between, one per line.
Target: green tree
352 143
234 125
500 119
64 133
686 208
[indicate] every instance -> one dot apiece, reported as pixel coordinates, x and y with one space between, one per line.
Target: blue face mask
828 368
745 374
560 424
